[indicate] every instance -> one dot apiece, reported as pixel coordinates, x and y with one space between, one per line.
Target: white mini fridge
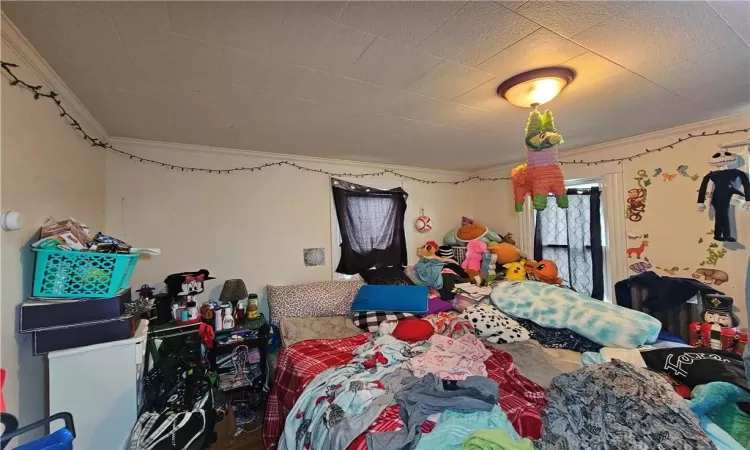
100 385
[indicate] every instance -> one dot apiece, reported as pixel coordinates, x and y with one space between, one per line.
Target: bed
521 399
313 342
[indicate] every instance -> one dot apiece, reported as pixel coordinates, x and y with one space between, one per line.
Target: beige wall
493 204
249 225
47 170
671 220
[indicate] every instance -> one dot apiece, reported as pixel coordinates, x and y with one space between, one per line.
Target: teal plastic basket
73 274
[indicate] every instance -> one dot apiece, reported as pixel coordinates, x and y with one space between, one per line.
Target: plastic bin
74 274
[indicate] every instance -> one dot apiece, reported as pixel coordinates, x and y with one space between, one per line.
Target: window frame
613 228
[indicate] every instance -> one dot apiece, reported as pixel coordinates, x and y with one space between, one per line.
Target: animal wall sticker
711 276
641 266
637 251
723 179
636 201
540 175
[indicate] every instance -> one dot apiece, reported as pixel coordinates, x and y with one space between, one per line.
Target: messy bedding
299 365
478 379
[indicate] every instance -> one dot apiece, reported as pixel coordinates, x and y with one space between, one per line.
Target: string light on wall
39 92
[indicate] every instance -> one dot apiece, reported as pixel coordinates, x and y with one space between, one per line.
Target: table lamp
233 291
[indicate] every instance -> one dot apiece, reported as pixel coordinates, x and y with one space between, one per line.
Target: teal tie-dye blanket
553 307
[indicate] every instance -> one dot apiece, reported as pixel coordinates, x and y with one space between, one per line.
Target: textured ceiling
408 83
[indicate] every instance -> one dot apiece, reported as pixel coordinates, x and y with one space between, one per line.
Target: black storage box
81 335
46 314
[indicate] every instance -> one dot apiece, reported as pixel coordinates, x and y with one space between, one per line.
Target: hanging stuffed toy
541 173
724 180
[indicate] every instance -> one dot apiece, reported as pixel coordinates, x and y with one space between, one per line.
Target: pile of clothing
712 383
443 380
614 405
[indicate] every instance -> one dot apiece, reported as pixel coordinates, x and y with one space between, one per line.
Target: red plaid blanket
521 399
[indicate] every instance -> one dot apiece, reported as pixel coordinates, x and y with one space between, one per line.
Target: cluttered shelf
239 355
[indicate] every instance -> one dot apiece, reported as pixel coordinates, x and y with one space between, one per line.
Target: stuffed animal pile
490 256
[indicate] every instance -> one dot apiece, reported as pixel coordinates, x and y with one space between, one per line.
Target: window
369 227
574 238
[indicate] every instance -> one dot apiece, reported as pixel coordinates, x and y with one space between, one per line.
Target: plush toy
473 260
544 271
186 284
516 271
469 232
429 250
505 253
489 261
446 251
541 173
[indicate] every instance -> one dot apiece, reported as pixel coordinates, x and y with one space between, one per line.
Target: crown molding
682 129
31 59
133 145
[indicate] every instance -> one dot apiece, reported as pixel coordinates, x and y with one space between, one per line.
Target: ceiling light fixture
535 87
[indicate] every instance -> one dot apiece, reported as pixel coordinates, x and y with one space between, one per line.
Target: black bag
187 430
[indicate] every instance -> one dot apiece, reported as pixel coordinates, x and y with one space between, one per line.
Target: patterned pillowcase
393 276
371 320
324 298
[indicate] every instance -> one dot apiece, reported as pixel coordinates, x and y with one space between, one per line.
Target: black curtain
572 238
371 222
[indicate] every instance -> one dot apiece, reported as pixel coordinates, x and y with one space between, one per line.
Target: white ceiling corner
411 83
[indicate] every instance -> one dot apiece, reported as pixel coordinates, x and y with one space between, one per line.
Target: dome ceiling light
535 87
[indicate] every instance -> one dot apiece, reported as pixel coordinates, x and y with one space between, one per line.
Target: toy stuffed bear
473 260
